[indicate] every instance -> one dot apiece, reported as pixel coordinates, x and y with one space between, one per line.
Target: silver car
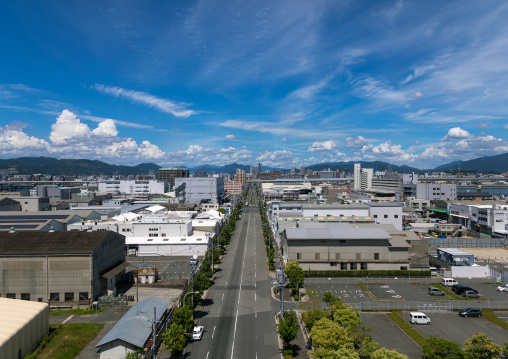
471 294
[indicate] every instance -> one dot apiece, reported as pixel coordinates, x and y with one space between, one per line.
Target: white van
448 282
433 271
194 260
418 318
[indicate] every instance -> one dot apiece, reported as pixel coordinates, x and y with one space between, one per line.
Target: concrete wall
172 249
117 349
470 272
109 254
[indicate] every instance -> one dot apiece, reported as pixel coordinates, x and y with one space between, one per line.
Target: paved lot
350 293
169 267
451 326
385 332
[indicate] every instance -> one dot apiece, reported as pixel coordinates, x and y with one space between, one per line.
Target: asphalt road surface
239 317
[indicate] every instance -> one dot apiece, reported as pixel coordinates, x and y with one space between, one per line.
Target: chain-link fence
441 307
468 242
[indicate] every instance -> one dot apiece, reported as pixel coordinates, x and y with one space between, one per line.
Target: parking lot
348 293
169 267
452 327
385 331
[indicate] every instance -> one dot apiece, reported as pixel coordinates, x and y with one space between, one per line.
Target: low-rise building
60 268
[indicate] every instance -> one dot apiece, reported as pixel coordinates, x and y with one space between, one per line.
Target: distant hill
68 167
230 169
349 166
495 164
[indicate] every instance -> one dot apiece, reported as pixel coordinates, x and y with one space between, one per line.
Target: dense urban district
179 263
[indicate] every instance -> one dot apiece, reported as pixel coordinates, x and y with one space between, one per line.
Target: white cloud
417 94
230 137
174 108
451 92
505 127
68 126
419 71
282 158
106 128
322 146
14 142
357 142
456 133
284 139
386 151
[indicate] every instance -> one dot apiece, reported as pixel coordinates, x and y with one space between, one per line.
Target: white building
490 219
141 188
199 189
362 177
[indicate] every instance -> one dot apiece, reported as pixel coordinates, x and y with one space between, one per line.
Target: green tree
174 338
439 348
328 298
311 316
481 347
183 317
294 273
288 327
343 353
138 354
327 334
505 350
384 353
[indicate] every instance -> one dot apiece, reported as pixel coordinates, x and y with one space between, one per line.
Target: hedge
365 273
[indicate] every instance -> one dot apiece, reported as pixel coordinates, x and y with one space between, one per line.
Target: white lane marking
207 355
226 285
213 331
222 296
239 293
218 313
255 298
69 318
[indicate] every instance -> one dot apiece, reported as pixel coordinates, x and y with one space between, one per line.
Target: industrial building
342 246
199 189
24 325
60 268
44 221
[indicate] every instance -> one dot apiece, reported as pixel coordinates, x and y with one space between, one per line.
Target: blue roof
135 327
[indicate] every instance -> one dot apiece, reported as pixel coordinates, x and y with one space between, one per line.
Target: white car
197 332
503 288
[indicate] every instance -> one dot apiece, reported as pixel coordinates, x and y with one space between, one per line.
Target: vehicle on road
194 260
418 318
503 288
435 291
448 282
197 332
471 294
470 312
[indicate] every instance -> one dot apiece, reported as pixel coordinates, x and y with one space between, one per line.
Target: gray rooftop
334 234
135 327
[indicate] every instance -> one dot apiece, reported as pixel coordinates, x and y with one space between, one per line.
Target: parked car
197 332
471 294
503 288
435 291
418 318
448 282
470 312
459 289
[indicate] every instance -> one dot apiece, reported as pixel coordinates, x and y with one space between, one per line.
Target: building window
83 296
333 264
39 300
126 229
298 256
353 266
69 297
316 256
386 216
364 266
163 234
403 268
54 297
376 256
11 295
397 216
375 216
153 234
25 296
153 229
343 266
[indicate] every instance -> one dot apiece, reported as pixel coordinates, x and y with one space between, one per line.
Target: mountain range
82 167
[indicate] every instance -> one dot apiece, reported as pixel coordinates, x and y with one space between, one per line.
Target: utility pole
154 329
281 279
192 282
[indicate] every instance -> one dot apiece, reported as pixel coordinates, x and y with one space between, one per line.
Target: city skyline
286 84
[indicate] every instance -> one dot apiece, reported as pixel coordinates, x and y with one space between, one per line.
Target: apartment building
241 176
169 174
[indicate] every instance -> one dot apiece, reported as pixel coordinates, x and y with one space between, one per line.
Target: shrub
296 297
288 352
366 273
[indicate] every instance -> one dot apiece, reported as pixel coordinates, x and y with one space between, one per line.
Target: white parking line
213 331
222 296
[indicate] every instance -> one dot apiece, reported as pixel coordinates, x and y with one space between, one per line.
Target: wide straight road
240 319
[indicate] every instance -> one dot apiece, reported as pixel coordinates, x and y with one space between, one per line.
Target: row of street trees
182 319
267 234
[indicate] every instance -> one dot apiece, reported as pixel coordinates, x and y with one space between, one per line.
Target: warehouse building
60 268
24 325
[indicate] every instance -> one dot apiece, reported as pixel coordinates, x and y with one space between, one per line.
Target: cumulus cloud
106 128
456 133
282 158
355 143
230 137
177 109
68 126
322 146
386 151
14 142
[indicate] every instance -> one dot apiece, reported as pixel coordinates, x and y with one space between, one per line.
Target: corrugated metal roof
397 242
135 327
16 314
334 234
48 243
334 225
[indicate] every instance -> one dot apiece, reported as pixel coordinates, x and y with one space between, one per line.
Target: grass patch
487 314
67 342
452 295
407 328
74 311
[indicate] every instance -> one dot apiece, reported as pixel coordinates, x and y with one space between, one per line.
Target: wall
106 256
470 272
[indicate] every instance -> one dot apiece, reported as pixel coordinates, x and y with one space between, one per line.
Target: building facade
169 174
198 190
135 188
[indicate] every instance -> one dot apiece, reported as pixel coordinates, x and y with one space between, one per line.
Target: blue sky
285 83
